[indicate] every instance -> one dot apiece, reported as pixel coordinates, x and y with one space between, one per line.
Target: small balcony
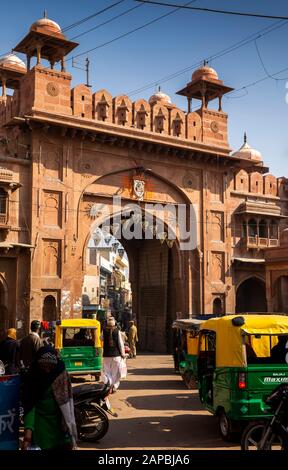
259 242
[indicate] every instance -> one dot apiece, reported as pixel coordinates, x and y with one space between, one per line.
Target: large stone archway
160 273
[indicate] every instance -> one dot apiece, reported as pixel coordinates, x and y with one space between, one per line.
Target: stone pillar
3 87
220 103
39 54
63 69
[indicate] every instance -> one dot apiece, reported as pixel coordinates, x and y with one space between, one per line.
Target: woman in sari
49 421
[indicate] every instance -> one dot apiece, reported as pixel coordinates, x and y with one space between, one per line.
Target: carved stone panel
52 209
217 226
52 161
218 266
215 186
51 258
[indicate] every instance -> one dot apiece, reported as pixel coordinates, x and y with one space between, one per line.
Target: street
156 411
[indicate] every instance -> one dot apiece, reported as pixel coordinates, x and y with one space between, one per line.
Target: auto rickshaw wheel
225 426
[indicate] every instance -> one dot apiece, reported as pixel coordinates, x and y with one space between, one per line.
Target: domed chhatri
205 72
45 40
248 152
159 97
46 26
11 61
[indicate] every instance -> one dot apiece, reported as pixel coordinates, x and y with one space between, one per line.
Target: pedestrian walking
113 355
9 352
49 421
132 338
30 344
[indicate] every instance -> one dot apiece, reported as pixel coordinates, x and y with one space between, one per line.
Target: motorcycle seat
84 389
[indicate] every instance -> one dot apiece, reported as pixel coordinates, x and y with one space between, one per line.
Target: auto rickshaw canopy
77 323
230 339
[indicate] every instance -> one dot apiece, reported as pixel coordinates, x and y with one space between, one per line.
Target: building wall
71 168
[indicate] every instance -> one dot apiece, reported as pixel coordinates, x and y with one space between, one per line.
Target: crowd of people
46 395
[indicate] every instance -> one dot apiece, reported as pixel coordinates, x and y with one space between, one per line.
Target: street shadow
172 432
152 385
176 402
151 372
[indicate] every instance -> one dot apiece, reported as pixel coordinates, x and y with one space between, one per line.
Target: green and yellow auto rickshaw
80 347
185 349
237 367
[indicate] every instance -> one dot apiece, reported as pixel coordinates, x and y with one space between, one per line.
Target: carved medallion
214 126
188 182
139 188
52 89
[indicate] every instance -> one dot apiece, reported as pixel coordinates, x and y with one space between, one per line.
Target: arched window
263 229
3 202
49 308
244 228
252 228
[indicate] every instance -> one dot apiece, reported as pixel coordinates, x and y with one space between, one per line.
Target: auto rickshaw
79 344
237 367
185 348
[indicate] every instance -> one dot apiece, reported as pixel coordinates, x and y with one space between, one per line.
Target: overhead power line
158 18
79 22
212 10
107 21
254 83
243 42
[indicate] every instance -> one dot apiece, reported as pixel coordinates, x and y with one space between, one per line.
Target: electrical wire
79 22
211 10
249 85
243 42
263 65
158 18
107 21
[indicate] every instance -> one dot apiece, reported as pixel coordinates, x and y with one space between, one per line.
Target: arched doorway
280 298
153 274
217 306
251 296
161 273
49 309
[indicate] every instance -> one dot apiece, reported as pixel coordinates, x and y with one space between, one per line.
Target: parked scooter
89 407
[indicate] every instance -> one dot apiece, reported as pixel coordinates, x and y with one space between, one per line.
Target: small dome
204 72
12 61
160 96
46 26
248 152
284 237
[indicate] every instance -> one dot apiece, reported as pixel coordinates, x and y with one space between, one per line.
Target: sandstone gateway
65 150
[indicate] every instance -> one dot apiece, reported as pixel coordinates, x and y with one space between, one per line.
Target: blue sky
174 43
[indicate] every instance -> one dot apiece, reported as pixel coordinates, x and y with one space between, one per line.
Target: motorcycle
90 411
271 434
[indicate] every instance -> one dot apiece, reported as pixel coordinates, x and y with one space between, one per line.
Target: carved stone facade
66 152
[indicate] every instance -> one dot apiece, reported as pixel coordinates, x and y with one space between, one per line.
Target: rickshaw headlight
242 380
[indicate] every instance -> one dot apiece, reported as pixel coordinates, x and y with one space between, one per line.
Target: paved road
156 411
